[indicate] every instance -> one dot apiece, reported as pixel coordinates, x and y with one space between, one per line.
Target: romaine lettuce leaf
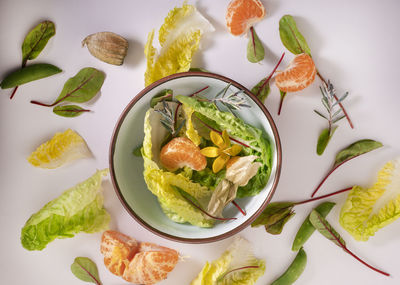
238 255
179 39
249 135
367 210
78 209
161 182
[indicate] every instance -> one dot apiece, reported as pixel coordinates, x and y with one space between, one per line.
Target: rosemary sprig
168 119
233 101
334 114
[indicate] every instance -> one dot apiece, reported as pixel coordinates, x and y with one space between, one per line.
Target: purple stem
204 212
324 196
270 75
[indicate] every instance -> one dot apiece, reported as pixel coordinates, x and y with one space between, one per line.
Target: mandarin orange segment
118 250
151 265
180 152
242 14
299 74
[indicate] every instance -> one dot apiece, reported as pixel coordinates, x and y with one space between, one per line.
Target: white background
354 43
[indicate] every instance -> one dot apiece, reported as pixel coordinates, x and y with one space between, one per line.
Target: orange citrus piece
180 152
242 14
299 74
118 250
151 264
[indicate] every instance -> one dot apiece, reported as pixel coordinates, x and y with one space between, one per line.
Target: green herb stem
337 99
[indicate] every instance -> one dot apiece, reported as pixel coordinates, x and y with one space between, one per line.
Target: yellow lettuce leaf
367 210
179 38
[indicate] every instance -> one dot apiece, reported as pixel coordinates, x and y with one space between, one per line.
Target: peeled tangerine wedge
242 14
299 74
63 147
180 152
144 263
117 248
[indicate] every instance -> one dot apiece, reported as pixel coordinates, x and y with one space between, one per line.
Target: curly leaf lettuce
161 183
78 209
249 135
367 210
239 254
179 39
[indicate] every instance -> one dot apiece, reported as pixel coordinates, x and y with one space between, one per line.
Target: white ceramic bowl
127 169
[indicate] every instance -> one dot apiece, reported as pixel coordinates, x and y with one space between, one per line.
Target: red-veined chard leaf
36 40
322 225
86 270
261 90
255 49
352 151
83 86
291 38
69 110
165 94
356 149
275 216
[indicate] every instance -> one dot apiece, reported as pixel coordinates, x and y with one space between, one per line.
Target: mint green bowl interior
127 169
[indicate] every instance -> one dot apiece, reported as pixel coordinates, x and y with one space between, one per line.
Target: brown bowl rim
182 239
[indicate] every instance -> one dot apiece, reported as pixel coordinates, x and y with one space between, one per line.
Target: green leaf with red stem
291 38
80 88
352 151
36 40
165 94
277 214
86 270
262 89
322 225
255 50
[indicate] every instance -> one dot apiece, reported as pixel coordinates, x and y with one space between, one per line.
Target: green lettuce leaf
249 135
367 210
179 39
78 209
161 183
239 254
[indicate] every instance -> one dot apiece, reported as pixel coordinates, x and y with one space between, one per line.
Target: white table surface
354 43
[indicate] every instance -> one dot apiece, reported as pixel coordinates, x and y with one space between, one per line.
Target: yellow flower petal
227 141
220 162
217 139
210 151
233 150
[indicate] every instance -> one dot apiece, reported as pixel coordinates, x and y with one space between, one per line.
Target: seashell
107 46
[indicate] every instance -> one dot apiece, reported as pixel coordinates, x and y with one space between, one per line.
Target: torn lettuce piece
190 131
179 38
161 183
78 209
239 254
367 210
237 129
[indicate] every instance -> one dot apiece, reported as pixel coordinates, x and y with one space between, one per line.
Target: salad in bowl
210 158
